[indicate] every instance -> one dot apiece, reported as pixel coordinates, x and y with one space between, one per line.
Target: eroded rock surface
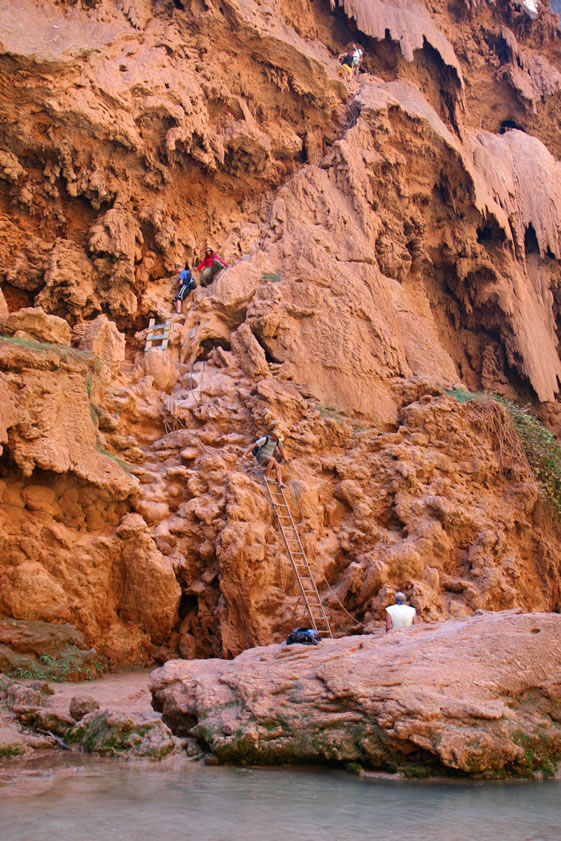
383 244
480 696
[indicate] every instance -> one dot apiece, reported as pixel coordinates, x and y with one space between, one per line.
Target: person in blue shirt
186 283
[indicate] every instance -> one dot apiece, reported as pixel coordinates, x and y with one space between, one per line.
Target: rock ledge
479 696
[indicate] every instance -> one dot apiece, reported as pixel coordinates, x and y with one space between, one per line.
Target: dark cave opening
531 241
187 604
268 355
509 124
208 345
484 234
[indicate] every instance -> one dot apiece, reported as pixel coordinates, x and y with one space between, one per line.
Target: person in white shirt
400 615
264 450
357 54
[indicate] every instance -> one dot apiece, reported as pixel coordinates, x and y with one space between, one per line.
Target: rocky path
122 692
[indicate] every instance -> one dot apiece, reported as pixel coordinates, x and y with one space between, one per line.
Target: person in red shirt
211 264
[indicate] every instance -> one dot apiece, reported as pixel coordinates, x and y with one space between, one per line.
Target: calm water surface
76 798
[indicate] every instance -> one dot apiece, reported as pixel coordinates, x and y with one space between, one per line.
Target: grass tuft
122 464
539 446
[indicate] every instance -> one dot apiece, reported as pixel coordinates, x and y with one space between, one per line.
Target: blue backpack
304 636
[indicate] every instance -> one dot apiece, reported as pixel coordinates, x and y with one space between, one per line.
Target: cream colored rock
102 338
159 365
35 323
407 22
69 281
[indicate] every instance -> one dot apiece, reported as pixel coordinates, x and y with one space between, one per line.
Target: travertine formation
479 696
385 243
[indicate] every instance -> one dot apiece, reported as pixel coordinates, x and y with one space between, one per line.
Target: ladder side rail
294 567
306 562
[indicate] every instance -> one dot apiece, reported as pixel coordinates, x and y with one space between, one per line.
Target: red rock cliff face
384 243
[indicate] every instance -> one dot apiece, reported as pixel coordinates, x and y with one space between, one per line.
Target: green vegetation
538 753
354 768
11 750
28 674
418 771
122 464
539 445
56 669
64 351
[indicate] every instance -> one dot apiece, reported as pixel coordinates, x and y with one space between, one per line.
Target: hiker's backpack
304 636
257 449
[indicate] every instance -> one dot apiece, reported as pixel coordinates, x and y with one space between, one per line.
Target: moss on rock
119 734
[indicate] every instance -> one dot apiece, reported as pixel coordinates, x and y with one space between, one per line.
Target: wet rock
49 721
118 734
81 705
12 743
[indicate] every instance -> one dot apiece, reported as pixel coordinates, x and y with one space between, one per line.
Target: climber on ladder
264 450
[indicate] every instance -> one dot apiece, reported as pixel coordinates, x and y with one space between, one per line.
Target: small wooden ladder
309 591
157 333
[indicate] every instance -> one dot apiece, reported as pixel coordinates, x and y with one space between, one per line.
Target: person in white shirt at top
357 54
264 451
400 615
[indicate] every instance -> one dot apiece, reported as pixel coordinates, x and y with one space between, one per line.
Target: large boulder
41 649
103 339
478 696
119 734
33 322
161 367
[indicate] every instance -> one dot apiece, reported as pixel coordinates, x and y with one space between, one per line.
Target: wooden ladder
157 333
309 591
